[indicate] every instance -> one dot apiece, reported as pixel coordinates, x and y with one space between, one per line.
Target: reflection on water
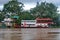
30 34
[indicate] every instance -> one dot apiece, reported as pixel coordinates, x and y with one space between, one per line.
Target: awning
15 17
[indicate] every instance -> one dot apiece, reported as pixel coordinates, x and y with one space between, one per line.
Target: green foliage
26 16
1 16
13 7
45 10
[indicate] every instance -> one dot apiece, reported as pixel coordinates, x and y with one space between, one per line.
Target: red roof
43 19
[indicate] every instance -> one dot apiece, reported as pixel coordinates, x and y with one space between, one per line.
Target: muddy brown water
30 34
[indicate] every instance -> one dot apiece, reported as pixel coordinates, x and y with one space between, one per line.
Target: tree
13 6
45 10
1 16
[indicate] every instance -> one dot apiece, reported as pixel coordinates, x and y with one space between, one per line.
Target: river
30 34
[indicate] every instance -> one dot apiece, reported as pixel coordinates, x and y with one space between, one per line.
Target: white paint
28 23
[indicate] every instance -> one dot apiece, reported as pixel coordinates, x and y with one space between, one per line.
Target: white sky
58 9
29 6
1 7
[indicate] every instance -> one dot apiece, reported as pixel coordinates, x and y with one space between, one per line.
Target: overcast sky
31 3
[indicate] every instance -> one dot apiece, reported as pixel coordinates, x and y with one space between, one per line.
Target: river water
30 34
